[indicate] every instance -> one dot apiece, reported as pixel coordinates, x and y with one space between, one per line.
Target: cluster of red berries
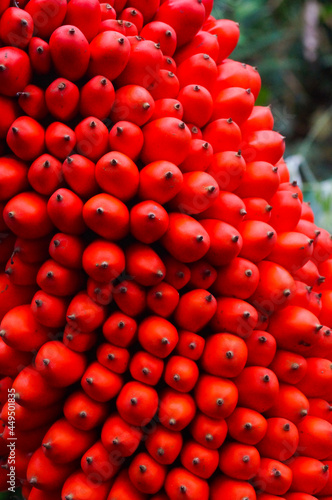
165 295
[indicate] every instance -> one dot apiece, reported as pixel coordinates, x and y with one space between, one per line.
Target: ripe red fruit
164 445
258 240
222 486
83 412
174 14
235 74
177 273
195 310
59 365
45 174
237 279
239 461
246 426
225 242
202 43
295 329
16 27
60 140
78 484
124 488
120 329
70 52
44 474
31 389
119 437
11 359
234 316
98 463
26 215
46 16
143 263
117 175
133 103
224 355
101 384
290 403
130 297
185 239
161 33
107 216
176 410
146 474
209 432
79 174
110 53
148 221
200 154
13 177
216 397
288 366
144 62
157 336
258 388
92 138
137 403
15 328
113 357
199 460
309 475
84 314
273 477
181 482
127 138
32 101
264 145
166 139
62 98
146 368
198 192
160 181
26 138
162 299
224 135
280 440
15 70
65 210
67 250
86 15
97 98
40 55
181 373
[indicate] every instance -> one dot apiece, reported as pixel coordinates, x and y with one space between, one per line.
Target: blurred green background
290 42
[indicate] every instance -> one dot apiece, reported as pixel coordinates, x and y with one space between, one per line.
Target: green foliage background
291 44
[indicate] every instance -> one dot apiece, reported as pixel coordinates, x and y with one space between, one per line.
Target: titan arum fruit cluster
165 293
